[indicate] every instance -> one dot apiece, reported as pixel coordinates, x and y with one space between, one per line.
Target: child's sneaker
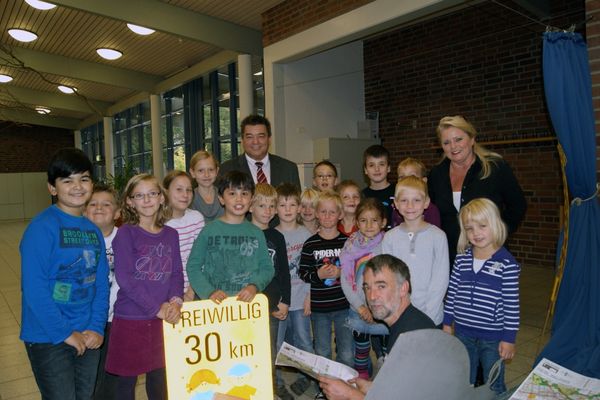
300 386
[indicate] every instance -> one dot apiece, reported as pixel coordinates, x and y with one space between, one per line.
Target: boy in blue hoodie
64 277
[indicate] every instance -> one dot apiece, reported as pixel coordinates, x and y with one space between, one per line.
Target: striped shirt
484 305
325 295
188 227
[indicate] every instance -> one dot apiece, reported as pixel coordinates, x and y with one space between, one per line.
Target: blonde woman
470 171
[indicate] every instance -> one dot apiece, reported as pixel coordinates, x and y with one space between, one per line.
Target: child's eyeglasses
141 196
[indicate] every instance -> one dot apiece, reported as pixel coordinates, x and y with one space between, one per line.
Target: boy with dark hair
64 284
376 164
219 267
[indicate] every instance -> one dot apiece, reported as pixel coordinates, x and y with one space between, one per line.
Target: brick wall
28 148
483 62
293 16
592 9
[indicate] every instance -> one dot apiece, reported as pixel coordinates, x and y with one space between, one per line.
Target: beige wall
23 195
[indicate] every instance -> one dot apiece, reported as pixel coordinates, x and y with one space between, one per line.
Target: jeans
60 373
486 352
295 330
273 330
357 324
106 384
344 343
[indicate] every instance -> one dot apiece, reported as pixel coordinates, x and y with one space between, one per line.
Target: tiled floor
17 382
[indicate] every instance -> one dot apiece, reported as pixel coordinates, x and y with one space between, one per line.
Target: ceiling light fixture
109 54
40 5
42 110
67 89
140 30
5 78
22 35
259 73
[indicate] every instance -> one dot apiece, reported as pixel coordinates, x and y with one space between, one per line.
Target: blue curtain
575 340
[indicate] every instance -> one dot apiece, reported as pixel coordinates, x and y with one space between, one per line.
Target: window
132 138
202 114
92 144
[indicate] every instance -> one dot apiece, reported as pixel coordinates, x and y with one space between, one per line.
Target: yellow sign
220 351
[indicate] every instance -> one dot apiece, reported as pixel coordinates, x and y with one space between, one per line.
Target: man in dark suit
256 159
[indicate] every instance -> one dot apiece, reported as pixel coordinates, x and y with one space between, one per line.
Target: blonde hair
411 182
309 196
330 196
412 162
481 211
484 155
202 155
129 214
348 183
264 191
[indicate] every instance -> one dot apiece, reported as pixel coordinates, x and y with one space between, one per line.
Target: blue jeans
295 330
322 332
357 324
486 352
60 373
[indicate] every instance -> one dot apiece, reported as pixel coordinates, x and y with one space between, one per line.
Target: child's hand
307 305
282 311
162 312
218 296
365 314
327 271
247 293
92 339
173 313
506 350
189 294
77 340
447 329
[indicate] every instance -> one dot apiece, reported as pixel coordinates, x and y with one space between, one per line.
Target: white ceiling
190 35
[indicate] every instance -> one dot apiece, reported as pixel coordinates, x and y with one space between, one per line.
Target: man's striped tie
260 175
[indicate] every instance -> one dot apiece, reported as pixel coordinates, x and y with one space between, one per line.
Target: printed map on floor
549 380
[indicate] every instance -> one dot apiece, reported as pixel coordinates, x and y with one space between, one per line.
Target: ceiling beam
71 102
174 20
33 118
89 71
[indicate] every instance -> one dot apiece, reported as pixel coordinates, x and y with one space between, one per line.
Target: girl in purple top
149 273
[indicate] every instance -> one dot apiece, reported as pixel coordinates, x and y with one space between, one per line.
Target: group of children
178 244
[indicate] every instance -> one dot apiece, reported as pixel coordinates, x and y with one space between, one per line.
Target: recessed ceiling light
67 89
5 78
109 54
259 73
42 110
40 5
22 35
140 30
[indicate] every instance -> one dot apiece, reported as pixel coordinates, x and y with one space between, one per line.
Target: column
157 148
109 160
246 86
77 139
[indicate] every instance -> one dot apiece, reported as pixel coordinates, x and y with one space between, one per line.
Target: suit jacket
282 170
